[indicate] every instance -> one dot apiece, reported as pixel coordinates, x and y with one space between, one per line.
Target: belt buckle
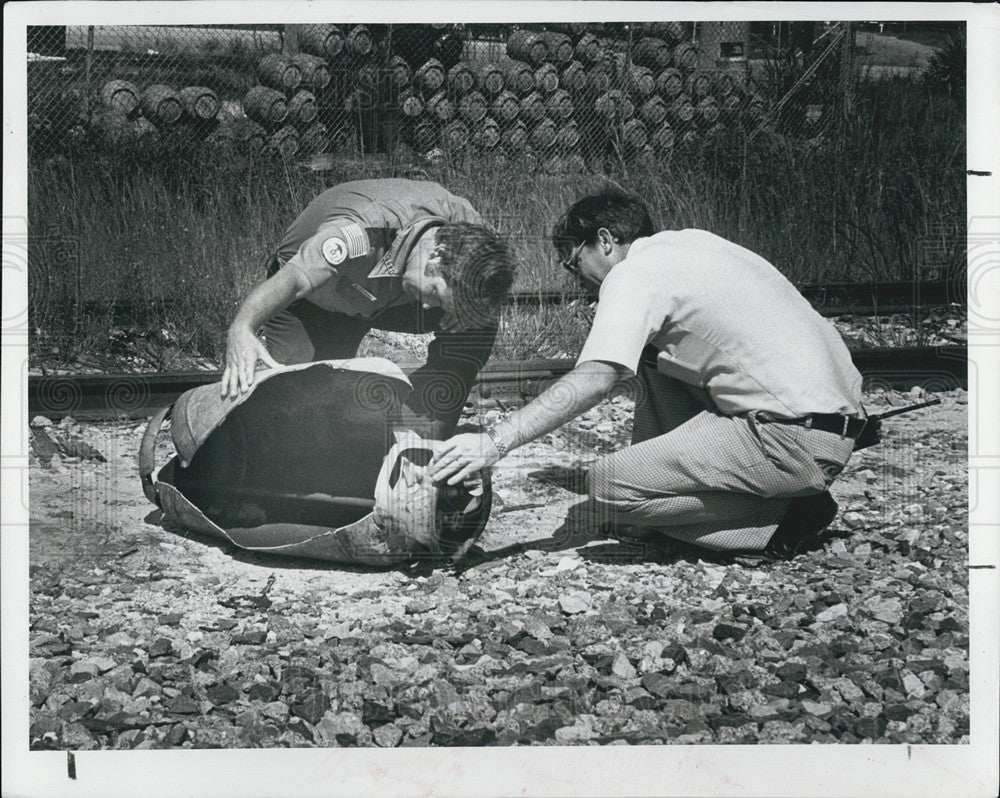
847 421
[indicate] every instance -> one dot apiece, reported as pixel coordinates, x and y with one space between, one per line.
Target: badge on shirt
335 250
351 243
384 268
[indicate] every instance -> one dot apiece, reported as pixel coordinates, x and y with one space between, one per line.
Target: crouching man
390 254
748 401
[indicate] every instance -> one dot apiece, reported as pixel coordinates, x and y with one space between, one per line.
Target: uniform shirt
352 241
723 319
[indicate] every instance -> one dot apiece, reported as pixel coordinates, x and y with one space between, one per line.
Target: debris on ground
143 637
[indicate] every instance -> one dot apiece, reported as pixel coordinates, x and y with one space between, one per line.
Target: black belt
845 426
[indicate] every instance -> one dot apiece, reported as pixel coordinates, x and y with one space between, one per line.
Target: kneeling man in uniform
389 254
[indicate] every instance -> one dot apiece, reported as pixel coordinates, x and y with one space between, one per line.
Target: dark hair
624 215
479 269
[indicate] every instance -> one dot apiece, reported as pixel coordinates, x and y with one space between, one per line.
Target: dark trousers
303 332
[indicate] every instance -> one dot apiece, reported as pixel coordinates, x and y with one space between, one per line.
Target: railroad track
104 396
831 299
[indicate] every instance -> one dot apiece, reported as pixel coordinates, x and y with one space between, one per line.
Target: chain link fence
554 98
165 161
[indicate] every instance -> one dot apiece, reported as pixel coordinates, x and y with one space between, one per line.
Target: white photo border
776 770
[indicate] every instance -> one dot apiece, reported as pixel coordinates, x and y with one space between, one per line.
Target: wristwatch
501 447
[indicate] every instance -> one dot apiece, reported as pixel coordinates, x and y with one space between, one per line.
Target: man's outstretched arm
574 393
243 347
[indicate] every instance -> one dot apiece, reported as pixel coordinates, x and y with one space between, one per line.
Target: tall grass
178 240
176 248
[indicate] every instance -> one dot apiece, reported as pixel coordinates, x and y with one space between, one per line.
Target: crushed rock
143 638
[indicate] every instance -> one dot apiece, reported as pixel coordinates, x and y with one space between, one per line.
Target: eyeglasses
571 264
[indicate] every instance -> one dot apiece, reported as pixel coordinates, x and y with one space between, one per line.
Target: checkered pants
693 473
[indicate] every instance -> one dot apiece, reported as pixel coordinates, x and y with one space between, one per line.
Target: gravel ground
146 638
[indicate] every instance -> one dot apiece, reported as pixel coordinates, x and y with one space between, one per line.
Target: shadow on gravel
814 544
572 479
578 532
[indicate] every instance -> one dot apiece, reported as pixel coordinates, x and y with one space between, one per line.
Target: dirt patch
142 637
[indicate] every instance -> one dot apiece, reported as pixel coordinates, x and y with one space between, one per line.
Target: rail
121 396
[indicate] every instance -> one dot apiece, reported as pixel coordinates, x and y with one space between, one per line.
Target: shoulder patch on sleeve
352 242
335 250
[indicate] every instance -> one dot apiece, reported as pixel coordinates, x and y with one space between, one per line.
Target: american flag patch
357 240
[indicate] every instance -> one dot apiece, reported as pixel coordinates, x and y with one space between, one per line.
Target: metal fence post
847 70
87 65
289 39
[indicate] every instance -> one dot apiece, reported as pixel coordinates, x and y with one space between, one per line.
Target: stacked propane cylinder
557 96
278 114
554 98
127 115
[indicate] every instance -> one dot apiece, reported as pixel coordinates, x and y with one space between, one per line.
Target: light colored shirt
726 320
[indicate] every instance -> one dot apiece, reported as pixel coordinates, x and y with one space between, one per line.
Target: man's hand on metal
243 350
462 456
